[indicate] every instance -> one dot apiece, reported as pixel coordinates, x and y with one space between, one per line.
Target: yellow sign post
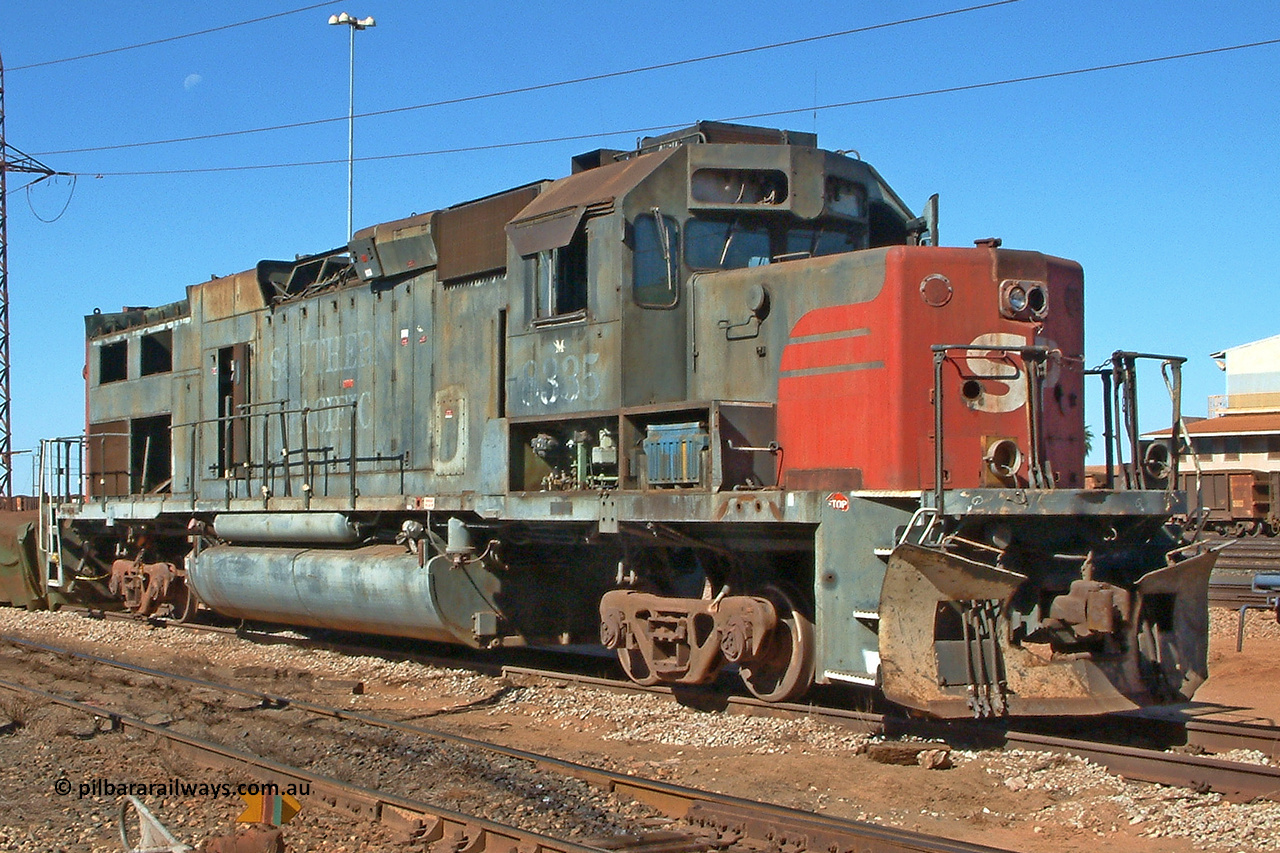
273 809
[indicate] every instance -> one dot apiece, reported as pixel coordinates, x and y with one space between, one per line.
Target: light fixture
1017 299
354 24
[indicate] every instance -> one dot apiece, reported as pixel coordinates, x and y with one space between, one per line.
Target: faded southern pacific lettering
324 355
1005 383
333 420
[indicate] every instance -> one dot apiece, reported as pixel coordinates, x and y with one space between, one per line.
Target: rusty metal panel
394 248
392 338
98 325
406 245
459 405
107 462
549 221
417 387
364 254
248 294
542 233
847 585
395 377
717 132
186 409
219 298
470 238
279 378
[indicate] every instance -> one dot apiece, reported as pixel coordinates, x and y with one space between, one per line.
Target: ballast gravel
1011 798
646 718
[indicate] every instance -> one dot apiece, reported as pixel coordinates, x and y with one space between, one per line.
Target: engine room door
233 419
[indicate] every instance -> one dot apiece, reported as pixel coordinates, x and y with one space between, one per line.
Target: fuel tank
378 589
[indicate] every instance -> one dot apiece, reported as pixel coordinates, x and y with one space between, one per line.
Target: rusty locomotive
717 402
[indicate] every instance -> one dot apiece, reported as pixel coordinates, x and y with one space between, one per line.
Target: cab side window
656 261
562 278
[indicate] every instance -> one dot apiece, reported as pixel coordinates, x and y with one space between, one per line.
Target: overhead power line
539 87
376 157
1031 78
168 39
969 87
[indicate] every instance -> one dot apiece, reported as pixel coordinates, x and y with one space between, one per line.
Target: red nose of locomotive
857 382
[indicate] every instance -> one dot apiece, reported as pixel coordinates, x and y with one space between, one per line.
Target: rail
460 830
731 819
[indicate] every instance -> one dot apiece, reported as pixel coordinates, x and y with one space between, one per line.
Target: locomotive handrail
1108 437
220 418
1180 426
1036 355
1124 377
243 411
85 474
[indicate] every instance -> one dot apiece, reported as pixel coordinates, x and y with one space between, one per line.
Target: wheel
785 668
190 604
636 668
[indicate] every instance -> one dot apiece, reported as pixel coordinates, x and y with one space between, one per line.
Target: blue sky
1160 179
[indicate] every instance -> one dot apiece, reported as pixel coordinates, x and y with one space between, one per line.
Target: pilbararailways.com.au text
177 788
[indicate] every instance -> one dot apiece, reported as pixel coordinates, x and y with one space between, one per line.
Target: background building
1242 431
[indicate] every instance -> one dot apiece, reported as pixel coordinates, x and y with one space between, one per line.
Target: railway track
714 821
1249 554
1231 584
1238 781
1106 743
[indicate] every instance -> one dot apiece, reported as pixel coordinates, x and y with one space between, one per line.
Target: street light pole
354 24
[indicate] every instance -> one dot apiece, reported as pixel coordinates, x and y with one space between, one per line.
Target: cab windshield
755 241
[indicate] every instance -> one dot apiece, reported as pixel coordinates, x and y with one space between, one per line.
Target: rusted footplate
1235 781
427 823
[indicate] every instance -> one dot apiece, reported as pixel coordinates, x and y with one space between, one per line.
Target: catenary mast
11 160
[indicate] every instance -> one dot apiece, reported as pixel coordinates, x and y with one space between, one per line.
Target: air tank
314 528
378 589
